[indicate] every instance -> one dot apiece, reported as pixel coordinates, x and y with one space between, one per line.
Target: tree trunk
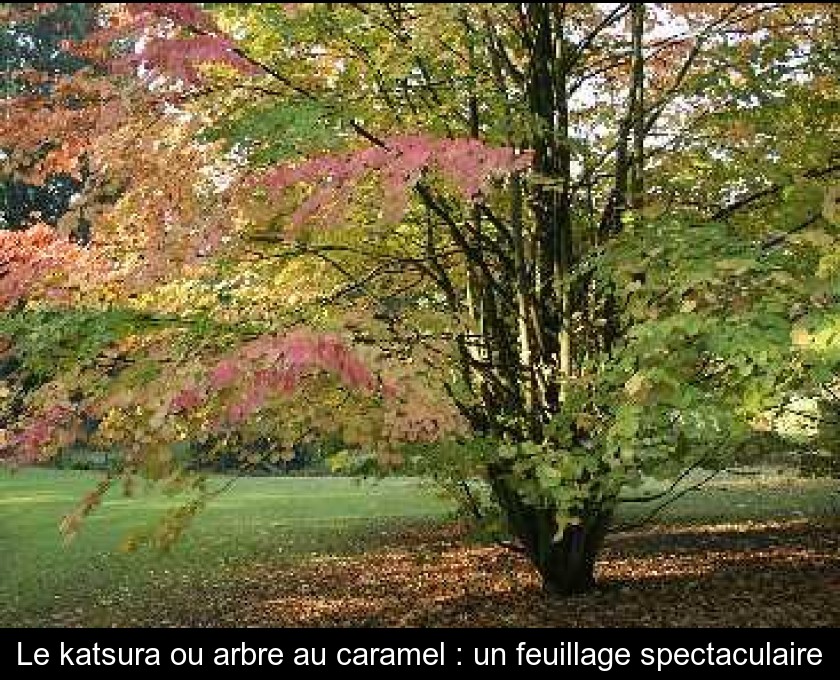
566 565
637 187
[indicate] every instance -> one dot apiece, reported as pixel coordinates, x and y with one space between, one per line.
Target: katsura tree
556 247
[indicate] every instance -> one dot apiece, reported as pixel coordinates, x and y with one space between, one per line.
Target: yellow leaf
800 337
638 387
734 264
831 204
585 422
815 237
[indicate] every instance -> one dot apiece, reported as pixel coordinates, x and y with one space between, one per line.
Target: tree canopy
557 247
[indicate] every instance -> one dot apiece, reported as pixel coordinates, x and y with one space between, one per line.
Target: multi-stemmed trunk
527 307
565 560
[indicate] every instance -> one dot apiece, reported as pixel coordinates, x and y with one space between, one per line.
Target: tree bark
638 183
566 564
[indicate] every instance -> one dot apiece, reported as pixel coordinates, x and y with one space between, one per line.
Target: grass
759 496
258 519
263 521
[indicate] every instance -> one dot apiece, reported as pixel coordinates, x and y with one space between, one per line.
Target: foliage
31 44
501 241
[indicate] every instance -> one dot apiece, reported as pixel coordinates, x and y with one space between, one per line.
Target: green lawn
258 519
263 520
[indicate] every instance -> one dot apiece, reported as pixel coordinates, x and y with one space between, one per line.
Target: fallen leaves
734 574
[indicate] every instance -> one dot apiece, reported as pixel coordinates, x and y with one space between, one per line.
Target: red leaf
467 163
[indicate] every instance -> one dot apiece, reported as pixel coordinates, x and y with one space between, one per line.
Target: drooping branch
747 202
670 501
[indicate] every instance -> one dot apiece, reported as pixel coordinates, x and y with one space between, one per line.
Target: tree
503 240
31 44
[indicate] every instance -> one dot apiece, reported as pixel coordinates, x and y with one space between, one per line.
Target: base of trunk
567 566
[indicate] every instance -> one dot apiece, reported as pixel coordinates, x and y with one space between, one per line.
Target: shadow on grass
738 574
759 574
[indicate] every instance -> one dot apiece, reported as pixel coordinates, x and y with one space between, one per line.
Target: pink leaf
467 163
186 400
224 374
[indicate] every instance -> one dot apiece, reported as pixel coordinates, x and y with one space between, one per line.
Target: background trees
557 246
31 44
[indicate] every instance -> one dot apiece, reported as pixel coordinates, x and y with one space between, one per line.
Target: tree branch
659 508
773 189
